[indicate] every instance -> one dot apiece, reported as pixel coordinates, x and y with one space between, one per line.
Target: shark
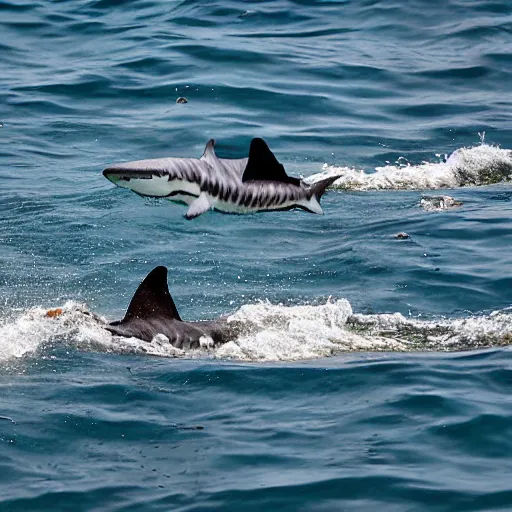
247 185
152 312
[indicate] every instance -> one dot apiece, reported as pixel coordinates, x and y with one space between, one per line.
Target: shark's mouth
117 175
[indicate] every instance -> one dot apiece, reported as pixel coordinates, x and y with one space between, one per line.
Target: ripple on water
298 413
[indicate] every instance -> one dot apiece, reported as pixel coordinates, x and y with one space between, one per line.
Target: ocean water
374 370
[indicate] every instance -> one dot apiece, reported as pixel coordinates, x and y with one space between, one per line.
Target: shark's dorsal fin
209 152
263 165
152 298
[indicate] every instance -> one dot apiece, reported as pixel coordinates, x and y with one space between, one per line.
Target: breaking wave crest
270 333
480 165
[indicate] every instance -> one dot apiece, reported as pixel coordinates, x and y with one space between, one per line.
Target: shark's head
161 177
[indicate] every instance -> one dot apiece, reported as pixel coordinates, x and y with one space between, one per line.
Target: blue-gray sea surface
374 372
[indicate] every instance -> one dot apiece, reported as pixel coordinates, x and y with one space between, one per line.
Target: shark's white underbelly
160 186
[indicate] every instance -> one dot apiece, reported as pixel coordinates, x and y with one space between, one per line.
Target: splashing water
479 165
35 329
269 333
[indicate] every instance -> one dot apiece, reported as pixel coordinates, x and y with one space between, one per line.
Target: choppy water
374 371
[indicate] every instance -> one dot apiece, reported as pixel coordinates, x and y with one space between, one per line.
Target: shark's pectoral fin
199 206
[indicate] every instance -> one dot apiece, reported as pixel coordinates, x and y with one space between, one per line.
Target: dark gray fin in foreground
318 189
263 165
152 299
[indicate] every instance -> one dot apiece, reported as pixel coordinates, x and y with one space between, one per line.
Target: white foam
479 165
270 332
444 334
159 346
439 203
25 333
75 325
289 333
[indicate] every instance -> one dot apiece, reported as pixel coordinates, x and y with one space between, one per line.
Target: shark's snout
121 177
112 176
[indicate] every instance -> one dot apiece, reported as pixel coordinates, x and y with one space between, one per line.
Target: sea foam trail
33 329
479 165
270 332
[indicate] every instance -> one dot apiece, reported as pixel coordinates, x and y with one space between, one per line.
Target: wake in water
269 332
479 165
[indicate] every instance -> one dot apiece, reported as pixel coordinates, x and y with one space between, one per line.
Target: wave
270 332
479 165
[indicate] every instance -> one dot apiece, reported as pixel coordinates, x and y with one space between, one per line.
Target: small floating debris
439 203
53 313
244 14
402 236
182 99
180 426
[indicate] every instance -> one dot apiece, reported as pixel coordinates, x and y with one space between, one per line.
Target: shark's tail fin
152 298
318 189
315 194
